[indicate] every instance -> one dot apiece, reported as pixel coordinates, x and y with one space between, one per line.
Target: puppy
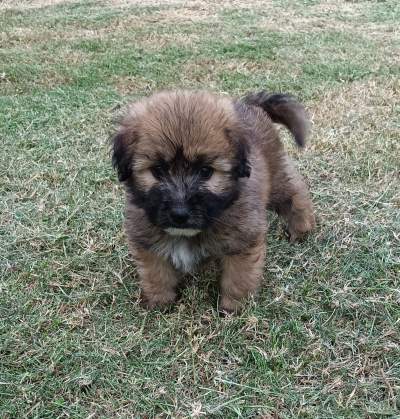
199 171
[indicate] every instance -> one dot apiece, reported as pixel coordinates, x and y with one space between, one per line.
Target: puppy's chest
182 253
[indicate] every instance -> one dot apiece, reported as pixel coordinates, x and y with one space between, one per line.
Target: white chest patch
182 257
182 254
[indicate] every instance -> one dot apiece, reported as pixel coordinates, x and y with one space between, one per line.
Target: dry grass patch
146 3
186 14
30 4
203 72
341 16
132 85
358 113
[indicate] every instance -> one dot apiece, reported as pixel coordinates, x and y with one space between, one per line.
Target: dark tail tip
283 109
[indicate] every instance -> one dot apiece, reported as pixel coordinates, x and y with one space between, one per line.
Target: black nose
179 215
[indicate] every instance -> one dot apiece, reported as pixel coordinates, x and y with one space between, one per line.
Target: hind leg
290 198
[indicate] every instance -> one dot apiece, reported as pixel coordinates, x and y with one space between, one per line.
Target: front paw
158 301
229 305
298 231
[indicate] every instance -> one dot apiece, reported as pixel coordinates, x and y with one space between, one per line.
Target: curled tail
285 110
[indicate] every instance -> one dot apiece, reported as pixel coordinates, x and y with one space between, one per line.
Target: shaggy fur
199 172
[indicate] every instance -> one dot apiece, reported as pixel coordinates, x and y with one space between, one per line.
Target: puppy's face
181 156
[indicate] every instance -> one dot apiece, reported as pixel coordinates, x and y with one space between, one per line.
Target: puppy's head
181 155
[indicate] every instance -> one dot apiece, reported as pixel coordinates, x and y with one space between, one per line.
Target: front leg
158 279
241 276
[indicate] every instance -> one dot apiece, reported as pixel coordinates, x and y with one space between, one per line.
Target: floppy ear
122 154
239 138
243 168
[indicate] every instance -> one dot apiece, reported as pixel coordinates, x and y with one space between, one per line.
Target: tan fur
157 278
199 123
242 275
218 182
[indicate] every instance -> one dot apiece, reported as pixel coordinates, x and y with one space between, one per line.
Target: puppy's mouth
186 232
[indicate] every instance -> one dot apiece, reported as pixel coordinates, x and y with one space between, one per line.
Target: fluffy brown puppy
199 172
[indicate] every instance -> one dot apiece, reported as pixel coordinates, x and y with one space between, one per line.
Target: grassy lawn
323 338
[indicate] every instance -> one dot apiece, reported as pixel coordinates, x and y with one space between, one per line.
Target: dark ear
239 138
122 155
243 168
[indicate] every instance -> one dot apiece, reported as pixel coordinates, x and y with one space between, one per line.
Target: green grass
323 338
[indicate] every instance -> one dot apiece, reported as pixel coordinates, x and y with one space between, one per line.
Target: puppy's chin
186 232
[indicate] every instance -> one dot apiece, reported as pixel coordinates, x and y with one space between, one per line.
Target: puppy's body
199 172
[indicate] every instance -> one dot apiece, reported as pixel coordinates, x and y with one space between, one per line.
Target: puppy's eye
206 172
157 172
